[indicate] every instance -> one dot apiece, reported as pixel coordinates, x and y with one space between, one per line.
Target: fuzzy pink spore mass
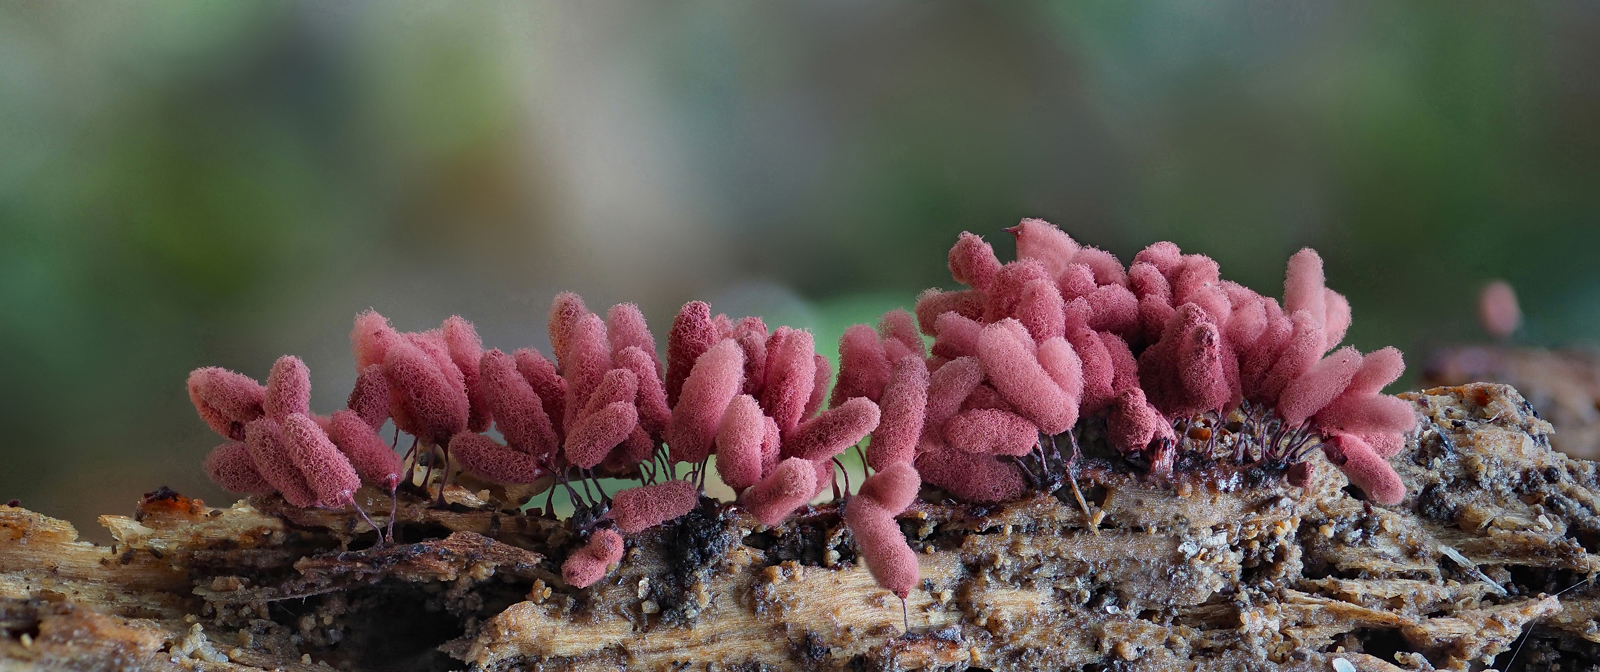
991 432
715 380
225 400
370 396
641 508
863 368
691 336
517 410
331 478
1016 373
270 454
889 557
901 412
739 441
482 457
229 465
427 404
791 375
790 485
589 564
288 388
831 432
371 457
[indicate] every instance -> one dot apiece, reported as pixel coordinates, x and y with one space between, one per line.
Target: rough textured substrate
1217 570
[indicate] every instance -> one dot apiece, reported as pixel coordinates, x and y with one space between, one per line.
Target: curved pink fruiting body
370 396
1005 292
984 396
616 386
751 335
370 338
1115 310
771 446
589 564
652 395
863 368
1319 385
331 478
1297 356
626 328
957 336
1133 423
1200 371
517 410
894 487
264 441
789 486
1303 285
1041 310
1365 469
691 336
901 327
565 309
1044 242
980 479
991 432
1261 354
1367 414
822 374
225 400
641 508
229 465
584 364
465 348
288 388
889 557
1061 362
1337 319
1017 375
427 404
1194 273
831 432
714 381
551 388
901 411
637 447
480 456
372 459
1164 256
739 442
948 387
593 436
1124 368
1378 370
932 303
972 261
791 375
1498 312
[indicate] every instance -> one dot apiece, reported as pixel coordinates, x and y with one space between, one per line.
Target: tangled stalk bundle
1162 362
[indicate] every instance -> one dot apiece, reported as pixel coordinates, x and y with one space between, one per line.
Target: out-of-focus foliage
199 183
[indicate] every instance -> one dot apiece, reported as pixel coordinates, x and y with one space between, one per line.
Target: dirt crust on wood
1222 568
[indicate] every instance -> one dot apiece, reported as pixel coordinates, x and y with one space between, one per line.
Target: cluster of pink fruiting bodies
1149 355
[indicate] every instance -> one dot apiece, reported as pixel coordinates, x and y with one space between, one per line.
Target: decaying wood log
1217 568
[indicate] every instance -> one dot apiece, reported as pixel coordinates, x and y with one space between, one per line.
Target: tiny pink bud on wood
589 564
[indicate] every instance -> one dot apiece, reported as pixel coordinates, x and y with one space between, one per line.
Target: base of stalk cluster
1208 568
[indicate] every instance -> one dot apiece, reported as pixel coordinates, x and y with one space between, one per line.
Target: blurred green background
196 183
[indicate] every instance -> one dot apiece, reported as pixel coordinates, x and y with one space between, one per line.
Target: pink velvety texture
370 338
465 348
950 385
890 559
932 303
327 472
1314 389
652 395
1107 269
1133 423
831 432
1016 373
565 309
271 457
957 336
1042 241
626 328
618 385
1298 354
739 442
901 411
551 388
1041 310
370 396
981 479
1303 286
225 400
822 375
789 486
641 508
791 374
1498 312
991 431
593 436
372 458
229 465
751 335
517 409
1366 469
972 261
584 363
288 388
893 488
716 378
588 565
863 368
427 404
1005 292
480 456
900 326
691 336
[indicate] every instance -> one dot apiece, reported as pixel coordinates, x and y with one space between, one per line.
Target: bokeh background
195 183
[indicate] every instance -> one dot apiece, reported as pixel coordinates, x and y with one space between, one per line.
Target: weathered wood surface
1214 570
